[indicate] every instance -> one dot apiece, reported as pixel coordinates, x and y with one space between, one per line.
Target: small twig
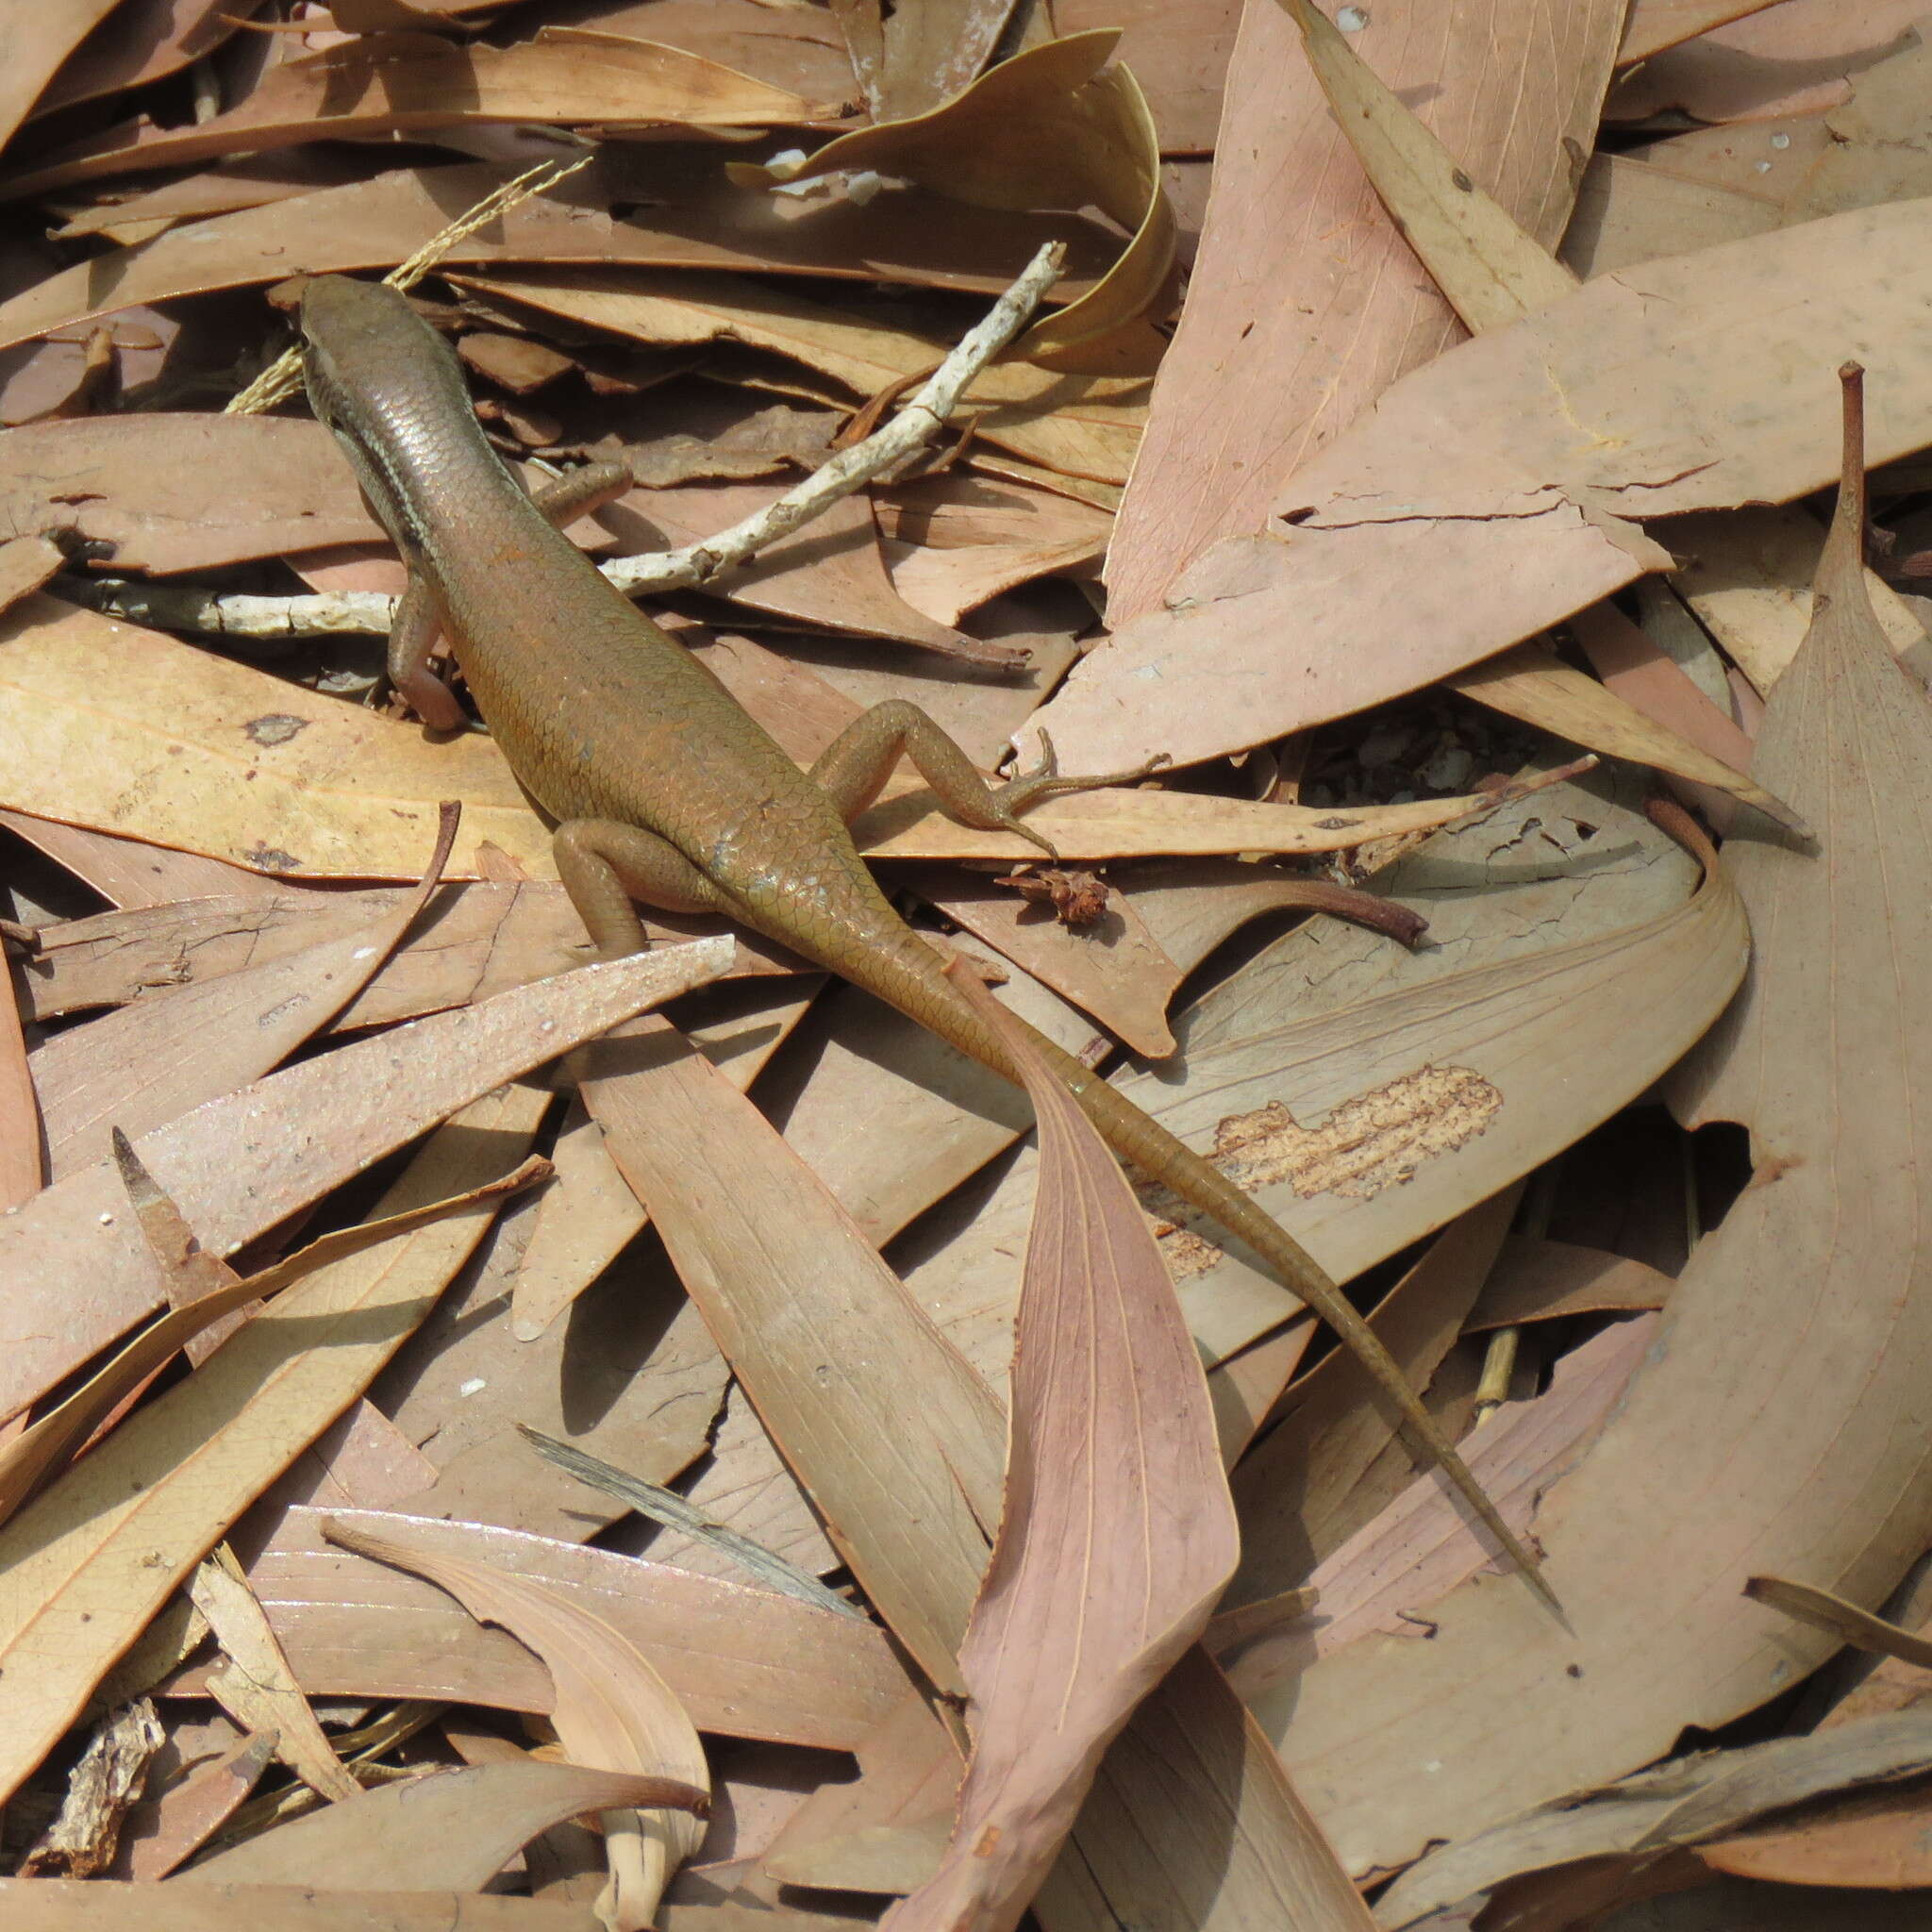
921 420
182 608
283 376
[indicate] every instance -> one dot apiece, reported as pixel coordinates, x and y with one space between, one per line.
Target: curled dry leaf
1731 1454
1116 1534
1046 128
745 1662
450 1830
612 1711
417 84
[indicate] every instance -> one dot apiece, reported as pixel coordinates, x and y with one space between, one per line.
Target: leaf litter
328 1197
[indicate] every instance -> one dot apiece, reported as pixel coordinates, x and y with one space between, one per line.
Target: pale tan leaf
1116 1535
82 1904
129 872
1528 682
22 1169
237 1167
745 1661
748 1226
252 1682
449 1830
611 1709
1858 1627
1732 1454
139 1069
1481 485
692 220
181 492
26 564
485 938
1304 304
86 1564
417 84
29 1458
1654 25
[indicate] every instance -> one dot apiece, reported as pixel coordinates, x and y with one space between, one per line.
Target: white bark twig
180 608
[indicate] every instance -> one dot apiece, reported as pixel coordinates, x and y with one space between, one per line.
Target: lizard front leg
606 865
852 769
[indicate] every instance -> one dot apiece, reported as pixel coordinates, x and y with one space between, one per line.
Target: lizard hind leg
606 865
852 769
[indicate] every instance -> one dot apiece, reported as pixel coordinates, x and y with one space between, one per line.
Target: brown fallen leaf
744 1661
130 872
1819 1057
448 1829
1794 58
42 42
1047 127
26 564
91 1559
1654 25
161 1831
374 224
150 1063
611 1709
1088 426
237 1166
84 1904
177 492
1296 322
1306 1487
744 1251
1114 1497
1541 1280
29 1458
414 83
1519 508
830 575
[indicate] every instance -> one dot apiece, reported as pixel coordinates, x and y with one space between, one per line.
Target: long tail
924 993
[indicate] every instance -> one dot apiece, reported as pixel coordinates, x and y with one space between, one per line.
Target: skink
666 790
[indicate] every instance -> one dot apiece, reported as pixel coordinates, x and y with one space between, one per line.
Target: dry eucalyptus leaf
611 1710
242 1163
1304 304
415 83
744 1661
448 1829
1114 1494
1086 425
86 1564
1045 128
1731 1454
1484 498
